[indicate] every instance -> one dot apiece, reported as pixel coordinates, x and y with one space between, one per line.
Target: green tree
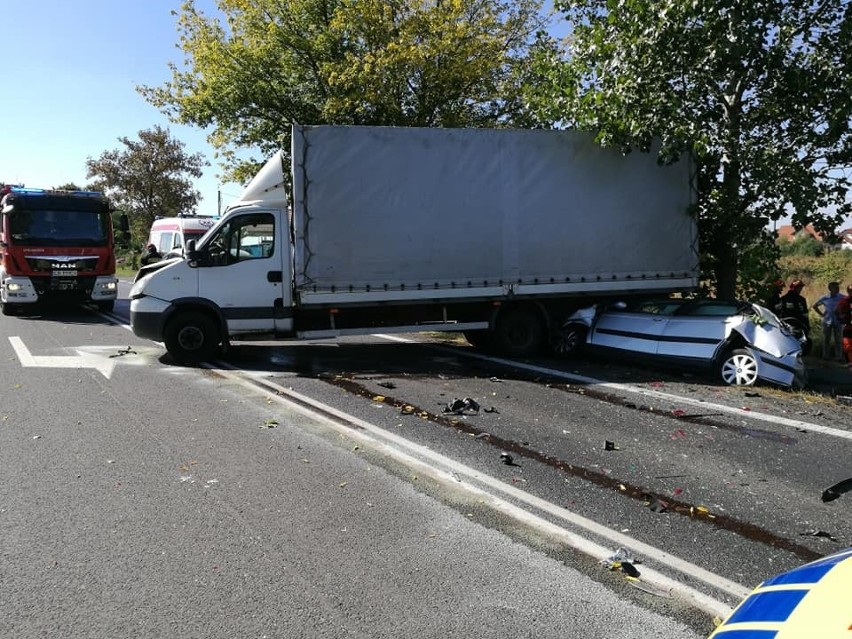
267 63
760 93
148 177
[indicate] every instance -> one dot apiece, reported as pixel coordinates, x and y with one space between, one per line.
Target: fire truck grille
59 264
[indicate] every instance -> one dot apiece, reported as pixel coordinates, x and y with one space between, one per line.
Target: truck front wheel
8 309
519 333
191 337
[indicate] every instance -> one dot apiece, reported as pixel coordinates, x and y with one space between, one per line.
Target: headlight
13 287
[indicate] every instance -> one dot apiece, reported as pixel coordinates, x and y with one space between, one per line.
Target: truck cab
56 245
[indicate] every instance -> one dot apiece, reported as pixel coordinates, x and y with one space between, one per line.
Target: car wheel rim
566 341
190 338
739 370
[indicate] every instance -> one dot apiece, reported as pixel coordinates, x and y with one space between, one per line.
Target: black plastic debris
507 459
629 569
490 410
124 351
608 445
751 394
389 385
818 533
462 406
833 492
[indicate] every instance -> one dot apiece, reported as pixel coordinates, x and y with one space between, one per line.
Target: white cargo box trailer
498 233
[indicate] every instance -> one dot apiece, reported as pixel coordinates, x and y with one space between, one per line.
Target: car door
696 330
636 329
245 283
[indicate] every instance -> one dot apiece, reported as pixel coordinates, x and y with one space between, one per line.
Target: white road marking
427 462
82 360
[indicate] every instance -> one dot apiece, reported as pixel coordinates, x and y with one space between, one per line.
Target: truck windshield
47 227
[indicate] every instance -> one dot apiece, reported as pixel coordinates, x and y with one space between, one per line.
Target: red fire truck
56 245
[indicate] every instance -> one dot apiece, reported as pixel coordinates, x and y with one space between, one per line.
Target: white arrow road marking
84 360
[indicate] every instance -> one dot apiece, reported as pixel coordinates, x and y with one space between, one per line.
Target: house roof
789 232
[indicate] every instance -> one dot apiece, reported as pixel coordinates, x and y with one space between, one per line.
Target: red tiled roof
788 232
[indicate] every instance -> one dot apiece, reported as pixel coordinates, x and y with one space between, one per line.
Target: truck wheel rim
739 370
191 338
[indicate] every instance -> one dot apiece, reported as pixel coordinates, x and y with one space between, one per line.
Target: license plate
64 273
66 286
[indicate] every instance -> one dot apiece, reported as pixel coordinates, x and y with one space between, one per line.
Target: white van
169 235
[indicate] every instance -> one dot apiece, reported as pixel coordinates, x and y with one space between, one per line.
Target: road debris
490 410
389 385
658 505
818 533
622 560
269 423
644 586
124 351
507 459
608 445
833 492
462 406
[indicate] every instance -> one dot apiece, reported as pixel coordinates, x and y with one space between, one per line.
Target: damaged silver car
738 341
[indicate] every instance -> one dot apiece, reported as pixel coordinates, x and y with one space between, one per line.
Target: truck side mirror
192 255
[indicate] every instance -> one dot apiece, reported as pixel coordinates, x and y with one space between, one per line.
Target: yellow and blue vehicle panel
813 601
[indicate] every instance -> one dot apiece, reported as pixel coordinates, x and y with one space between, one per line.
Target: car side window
247 237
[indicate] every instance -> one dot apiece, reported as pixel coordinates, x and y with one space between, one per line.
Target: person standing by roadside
795 307
832 329
844 315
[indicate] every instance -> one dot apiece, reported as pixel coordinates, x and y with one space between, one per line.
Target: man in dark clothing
795 307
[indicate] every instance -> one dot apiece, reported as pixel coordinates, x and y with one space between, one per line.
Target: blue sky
71 68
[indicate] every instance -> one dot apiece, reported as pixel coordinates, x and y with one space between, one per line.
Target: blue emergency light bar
31 191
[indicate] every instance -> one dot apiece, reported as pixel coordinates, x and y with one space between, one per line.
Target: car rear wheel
738 368
191 337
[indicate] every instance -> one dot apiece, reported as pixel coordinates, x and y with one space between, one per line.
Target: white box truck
500 234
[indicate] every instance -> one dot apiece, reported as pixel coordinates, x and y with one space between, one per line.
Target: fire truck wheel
9 309
191 337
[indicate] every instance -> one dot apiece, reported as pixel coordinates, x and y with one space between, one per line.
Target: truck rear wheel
519 333
191 337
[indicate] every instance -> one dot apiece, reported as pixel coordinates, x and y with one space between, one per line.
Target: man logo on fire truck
56 245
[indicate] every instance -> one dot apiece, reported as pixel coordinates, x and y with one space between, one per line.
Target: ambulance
169 235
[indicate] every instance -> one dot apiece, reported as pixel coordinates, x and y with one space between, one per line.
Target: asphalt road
140 499
149 499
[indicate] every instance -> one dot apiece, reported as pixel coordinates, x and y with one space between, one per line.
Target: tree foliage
760 93
261 65
148 177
